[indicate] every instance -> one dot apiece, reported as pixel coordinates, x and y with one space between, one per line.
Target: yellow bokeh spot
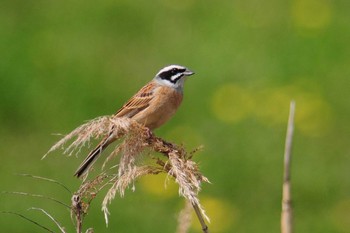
232 103
273 105
313 115
223 216
159 185
311 14
340 215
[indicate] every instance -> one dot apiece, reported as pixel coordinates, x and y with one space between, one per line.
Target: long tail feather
93 156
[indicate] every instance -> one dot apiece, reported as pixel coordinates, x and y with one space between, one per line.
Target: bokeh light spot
311 14
273 105
313 115
159 185
232 103
223 215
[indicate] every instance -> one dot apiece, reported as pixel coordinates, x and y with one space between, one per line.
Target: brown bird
152 106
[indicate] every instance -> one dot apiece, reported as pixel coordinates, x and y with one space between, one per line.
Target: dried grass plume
134 140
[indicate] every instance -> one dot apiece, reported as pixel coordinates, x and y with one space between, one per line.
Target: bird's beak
188 72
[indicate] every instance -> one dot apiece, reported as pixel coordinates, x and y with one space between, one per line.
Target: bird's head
173 76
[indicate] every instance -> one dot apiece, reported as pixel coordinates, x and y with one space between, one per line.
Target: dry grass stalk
134 141
47 180
93 129
287 215
52 218
82 199
37 196
122 183
27 219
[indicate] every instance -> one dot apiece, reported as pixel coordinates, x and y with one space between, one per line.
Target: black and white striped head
173 76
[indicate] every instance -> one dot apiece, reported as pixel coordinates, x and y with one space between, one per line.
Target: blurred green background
66 62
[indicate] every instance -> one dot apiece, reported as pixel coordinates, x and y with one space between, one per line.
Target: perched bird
152 106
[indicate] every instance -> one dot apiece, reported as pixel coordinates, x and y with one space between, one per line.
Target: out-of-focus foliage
64 62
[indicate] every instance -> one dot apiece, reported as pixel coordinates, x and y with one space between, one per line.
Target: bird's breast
161 108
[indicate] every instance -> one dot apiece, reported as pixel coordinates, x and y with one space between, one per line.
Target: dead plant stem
287 215
205 228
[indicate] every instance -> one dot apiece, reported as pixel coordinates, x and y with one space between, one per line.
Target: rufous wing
138 102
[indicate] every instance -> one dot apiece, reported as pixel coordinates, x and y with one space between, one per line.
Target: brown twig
77 210
167 149
81 199
286 215
196 208
161 145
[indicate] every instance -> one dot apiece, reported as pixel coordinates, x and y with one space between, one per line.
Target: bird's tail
93 156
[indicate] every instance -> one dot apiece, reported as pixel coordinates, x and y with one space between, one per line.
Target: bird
152 106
